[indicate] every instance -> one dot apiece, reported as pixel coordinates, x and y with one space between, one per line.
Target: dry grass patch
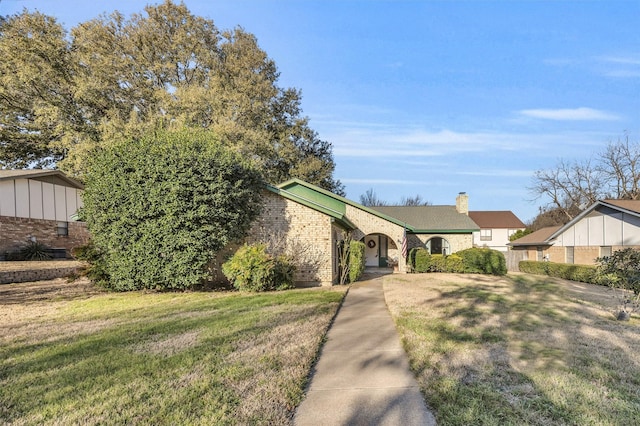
160 358
520 349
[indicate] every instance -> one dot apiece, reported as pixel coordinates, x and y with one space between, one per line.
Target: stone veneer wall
371 224
457 242
41 274
16 231
281 216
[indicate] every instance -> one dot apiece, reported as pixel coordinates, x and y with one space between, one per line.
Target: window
485 235
437 245
605 251
539 256
62 229
569 253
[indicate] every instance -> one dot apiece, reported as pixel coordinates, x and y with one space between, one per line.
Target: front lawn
519 349
157 358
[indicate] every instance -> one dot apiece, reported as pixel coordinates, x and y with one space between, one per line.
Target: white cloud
624 60
380 181
569 114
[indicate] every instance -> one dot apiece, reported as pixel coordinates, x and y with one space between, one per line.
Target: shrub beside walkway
362 375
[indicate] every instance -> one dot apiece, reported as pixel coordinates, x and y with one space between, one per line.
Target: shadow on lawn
526 349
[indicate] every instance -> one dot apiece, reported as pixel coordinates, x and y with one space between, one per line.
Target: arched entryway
379 251
438 245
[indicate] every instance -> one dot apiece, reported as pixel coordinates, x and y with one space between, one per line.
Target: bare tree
370 199
414 201
569 187
620 166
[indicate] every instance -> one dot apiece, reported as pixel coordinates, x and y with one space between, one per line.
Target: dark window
62 229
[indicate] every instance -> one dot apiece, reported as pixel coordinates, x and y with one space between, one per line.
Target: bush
438 263
96 270
581 273
160 207
483 261
356 260
251 268
411 258
34 250
621 269
422 260
454 263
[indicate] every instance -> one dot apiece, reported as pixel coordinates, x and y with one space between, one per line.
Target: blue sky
439 97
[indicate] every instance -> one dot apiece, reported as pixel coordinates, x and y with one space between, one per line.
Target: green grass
518 350
162 358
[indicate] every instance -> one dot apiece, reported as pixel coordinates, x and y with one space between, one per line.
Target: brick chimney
462 203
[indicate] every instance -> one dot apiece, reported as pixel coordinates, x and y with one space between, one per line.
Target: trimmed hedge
483 261
582 273
251 268
422 260
474 260
356 260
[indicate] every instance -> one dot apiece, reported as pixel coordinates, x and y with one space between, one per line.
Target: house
319 218
534 246
40 205
602 228
495 228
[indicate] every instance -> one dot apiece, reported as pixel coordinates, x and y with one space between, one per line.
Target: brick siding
16 231
304 225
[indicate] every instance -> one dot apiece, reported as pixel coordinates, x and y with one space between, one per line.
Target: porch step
371 270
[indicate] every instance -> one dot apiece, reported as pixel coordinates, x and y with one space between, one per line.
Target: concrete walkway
362 376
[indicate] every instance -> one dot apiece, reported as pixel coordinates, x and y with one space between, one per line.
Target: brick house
602 228
318 217
40 205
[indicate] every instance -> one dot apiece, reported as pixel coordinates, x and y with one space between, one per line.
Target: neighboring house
604 227
319 218
40 205
495 228
534 246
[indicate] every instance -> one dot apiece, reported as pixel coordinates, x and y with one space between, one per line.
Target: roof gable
537 238
496 219
50 176
631 207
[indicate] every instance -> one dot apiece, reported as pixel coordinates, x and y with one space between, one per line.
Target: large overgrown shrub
483 261
96 267
160 206
356 260
251 268
582 273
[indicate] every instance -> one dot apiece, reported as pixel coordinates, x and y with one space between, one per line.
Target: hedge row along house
601 229
42 205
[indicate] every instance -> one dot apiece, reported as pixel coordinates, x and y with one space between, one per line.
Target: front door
372 250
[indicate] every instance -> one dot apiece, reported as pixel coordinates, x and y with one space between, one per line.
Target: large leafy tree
167 68
159 207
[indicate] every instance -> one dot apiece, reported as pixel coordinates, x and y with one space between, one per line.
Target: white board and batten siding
34 199
602 227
